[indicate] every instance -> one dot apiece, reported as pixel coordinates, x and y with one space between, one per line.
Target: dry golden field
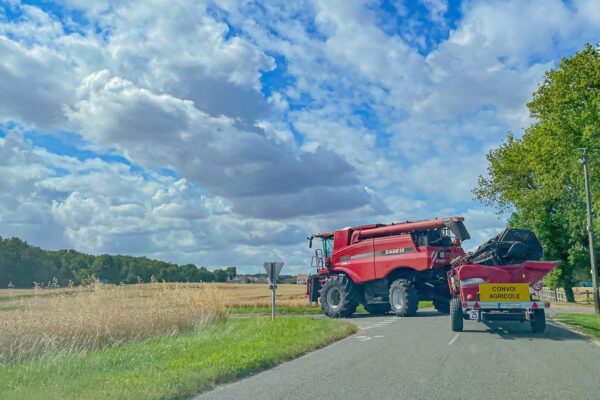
260 295
46 321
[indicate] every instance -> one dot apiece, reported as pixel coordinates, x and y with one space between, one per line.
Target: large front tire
456 315
404 298
339 297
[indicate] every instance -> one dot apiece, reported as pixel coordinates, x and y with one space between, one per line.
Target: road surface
420 358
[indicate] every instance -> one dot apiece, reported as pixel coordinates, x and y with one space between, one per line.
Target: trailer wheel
538 322
339 297
442 304
456 315
404 298
377 309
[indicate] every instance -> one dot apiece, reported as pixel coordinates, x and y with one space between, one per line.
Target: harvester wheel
377 309
442 304
456 315
404 298
538 321
339 297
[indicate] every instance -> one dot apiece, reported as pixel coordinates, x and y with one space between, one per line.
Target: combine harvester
386 267
392 267
498 282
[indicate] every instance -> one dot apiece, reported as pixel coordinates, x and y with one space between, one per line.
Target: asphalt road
420 358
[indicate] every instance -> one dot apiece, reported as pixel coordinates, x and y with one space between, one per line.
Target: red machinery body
374 256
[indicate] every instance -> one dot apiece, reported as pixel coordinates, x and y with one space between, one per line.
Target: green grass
10 308
280 310
587 323
298 310
425 304
572 304
174 367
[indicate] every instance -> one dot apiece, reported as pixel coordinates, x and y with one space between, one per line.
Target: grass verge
587 323
283 310
172 367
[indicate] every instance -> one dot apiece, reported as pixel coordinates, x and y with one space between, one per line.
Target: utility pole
590 227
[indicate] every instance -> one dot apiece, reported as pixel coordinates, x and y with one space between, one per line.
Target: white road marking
453 340
366 338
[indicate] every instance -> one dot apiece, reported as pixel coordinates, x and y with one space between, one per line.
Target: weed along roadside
178 362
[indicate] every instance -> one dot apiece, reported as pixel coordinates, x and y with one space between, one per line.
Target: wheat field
41 322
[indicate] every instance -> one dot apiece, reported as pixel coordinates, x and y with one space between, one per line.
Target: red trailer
386 267
499 282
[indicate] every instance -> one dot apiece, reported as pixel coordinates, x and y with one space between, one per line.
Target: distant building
301 279
249 279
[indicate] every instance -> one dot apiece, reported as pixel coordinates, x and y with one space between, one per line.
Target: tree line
22 265
537 178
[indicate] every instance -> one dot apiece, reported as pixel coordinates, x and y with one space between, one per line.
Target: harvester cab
321 260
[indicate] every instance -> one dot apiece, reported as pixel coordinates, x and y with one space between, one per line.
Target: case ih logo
394 251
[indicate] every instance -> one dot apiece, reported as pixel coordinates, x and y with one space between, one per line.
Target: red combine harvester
498 282
386 267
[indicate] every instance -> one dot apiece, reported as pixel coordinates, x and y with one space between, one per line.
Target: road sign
273 269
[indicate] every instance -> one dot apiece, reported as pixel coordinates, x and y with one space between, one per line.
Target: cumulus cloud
244 166
236 128
96 206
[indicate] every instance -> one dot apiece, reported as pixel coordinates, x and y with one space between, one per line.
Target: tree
220 275
231 272
538 179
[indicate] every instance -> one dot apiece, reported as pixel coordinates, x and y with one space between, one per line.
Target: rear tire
456 315
377 309
442 304
339 297
538 322
404 298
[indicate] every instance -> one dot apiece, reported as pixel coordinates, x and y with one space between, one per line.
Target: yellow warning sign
504 292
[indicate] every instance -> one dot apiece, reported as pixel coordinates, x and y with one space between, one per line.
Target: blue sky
224 132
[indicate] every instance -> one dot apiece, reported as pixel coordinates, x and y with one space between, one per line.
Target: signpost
273 269
590 227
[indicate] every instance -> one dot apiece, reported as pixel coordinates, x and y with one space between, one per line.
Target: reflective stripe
516 305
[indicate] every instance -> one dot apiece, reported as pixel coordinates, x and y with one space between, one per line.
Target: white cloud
359 124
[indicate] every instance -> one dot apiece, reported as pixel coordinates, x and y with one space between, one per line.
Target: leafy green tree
538 178
231 272
22 264
220 275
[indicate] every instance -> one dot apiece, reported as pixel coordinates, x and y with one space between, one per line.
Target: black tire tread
456 315
538 322
350 300
411 297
